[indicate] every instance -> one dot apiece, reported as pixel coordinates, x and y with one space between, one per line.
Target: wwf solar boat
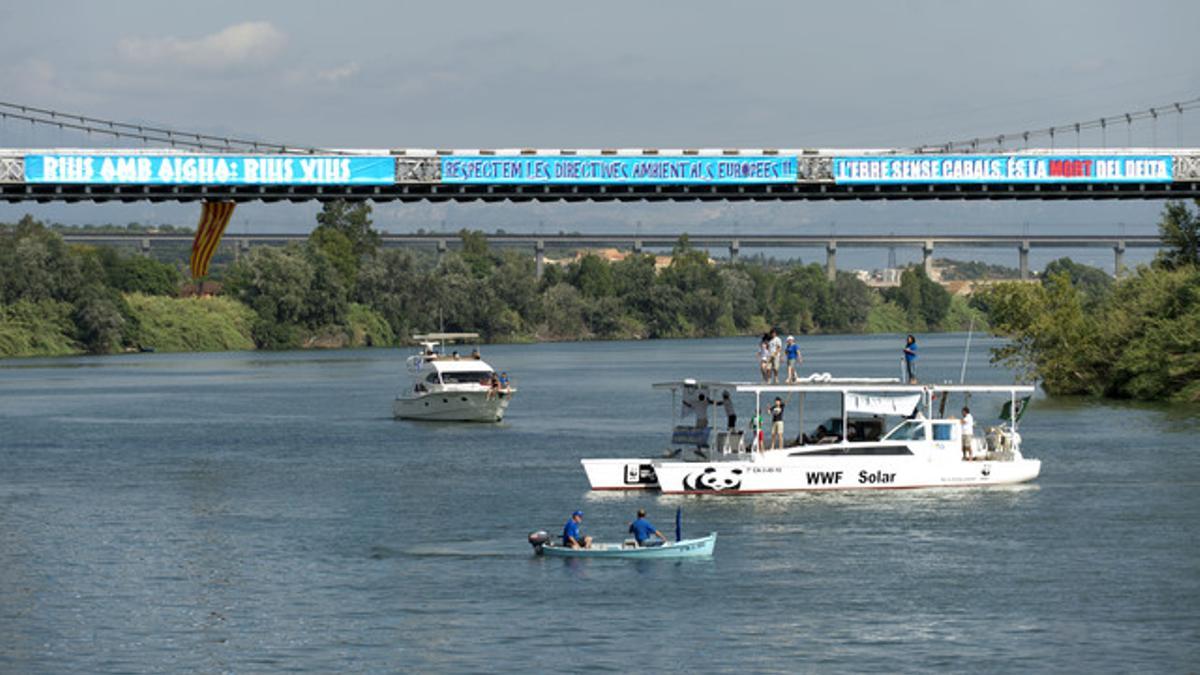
860 448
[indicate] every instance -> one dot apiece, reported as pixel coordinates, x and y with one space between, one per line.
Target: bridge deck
637 174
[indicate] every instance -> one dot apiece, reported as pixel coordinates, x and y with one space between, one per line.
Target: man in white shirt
968 432
776 356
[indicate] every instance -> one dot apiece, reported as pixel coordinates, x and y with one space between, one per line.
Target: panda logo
987 470
714 479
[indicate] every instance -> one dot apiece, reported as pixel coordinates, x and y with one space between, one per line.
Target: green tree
475 252
274 282
326 300
337 248
564 310
922 299
100 318
1050 337
516 285
139 274
35 264
1180 231
393 284
1092 282
353 221
592 275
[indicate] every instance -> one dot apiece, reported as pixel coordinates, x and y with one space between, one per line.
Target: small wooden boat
684 548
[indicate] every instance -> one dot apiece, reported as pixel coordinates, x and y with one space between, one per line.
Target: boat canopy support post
800 407
845 420
758 421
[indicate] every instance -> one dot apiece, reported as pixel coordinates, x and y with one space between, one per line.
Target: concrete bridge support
1023 251
831 260
1119 259
441 249
637 246
145 248
734 248
539 253
927 258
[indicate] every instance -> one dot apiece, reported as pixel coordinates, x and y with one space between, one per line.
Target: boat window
912 430
466 377
859 449
941 432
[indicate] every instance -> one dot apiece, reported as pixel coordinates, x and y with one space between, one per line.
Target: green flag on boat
1006 412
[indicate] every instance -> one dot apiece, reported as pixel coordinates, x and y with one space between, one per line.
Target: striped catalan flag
214 218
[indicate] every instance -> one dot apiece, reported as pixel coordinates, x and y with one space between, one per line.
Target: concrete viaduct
639 242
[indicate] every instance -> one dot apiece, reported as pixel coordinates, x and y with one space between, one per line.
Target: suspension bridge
198 166
222 172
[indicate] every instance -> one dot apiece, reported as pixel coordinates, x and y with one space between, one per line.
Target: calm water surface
262 512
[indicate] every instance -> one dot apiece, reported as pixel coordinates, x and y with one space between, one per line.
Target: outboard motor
537 540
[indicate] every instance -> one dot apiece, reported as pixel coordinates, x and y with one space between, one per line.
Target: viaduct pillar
539 252
441 249
1119 259
734 248
831 260
1023 251
927 258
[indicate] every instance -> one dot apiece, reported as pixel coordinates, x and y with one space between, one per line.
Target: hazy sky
623 74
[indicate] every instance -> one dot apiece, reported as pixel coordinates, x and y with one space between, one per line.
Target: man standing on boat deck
730 412
910 359
793 358
968 432
642 530
776 411
776 355
572 536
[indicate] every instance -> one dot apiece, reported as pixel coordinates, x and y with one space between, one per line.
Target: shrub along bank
1079 333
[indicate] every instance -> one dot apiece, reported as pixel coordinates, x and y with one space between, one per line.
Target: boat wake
449 551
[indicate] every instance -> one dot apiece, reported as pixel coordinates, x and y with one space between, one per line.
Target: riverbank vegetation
341 289
1078 332
1075 330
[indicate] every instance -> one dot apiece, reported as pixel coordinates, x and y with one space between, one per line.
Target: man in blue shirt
572 536
910 359
642 530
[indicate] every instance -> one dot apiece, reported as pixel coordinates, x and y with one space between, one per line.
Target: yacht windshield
912 430
467 377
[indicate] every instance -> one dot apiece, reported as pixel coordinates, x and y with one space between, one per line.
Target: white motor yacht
924 448
447 386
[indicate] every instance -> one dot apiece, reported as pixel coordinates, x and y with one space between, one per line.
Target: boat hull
823 473
687 548
621 474
452 406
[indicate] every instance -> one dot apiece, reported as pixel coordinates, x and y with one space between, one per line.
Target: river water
252 512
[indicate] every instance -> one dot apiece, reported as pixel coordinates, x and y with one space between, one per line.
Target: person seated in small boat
572 536
644 533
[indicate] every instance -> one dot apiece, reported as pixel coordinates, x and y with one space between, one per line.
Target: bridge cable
146 133
1102 123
